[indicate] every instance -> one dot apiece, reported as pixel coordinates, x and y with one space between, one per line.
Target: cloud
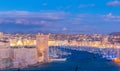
113 3
82 15
86 5
111 18
64 29
26 17
54 21
52 15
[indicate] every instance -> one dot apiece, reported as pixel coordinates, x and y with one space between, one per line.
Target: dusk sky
60 16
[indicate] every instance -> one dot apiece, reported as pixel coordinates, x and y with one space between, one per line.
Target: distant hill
115 33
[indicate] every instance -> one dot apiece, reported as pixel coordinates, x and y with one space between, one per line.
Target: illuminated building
4 44
20 42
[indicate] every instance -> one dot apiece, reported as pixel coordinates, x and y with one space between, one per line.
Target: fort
21 55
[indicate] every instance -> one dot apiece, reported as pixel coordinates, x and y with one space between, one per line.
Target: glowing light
20 43
116 60
23 43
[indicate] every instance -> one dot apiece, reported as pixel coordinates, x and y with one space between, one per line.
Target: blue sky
60 16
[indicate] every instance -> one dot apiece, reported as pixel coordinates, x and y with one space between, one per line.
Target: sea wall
17 57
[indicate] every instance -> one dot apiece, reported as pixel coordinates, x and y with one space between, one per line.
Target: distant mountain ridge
115 33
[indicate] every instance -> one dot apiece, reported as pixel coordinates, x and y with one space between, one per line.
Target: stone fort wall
17 57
